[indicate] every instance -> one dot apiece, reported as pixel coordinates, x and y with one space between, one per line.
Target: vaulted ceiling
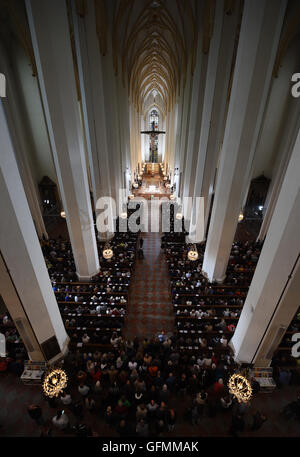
154 40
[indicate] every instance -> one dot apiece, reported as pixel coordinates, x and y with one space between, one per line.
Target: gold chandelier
55 382
107 251
240 387
193 253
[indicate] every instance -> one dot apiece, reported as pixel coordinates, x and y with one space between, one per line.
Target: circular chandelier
55 382
193 253
240 387
107 252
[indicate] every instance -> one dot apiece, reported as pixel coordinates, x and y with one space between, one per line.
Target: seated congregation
137 387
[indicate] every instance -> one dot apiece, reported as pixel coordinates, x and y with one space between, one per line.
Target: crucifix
153 148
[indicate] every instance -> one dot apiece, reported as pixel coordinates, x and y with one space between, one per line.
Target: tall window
154 118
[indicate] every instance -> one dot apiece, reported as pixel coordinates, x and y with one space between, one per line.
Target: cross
153 135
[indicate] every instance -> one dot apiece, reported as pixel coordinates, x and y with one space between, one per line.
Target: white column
273 297
48 24
290 129
25 284
205 186
260 31
195 116
92 98
196 230
13 110
186 103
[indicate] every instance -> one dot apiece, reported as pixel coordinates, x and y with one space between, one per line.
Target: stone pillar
260 31
49 30
290 129
195 115
14 114
196 230
92 98
273 297
205 177
24 281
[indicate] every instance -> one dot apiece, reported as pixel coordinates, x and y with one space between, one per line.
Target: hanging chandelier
193 253
107 251
240 387
55 382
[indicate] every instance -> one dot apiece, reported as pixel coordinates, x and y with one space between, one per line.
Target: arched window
154 120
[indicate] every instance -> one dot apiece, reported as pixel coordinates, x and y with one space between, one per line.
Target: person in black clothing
35 412
237 425
255 386
141 242
123 428
258 420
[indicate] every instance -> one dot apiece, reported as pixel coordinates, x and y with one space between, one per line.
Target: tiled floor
150 306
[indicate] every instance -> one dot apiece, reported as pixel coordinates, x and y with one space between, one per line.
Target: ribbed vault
153 41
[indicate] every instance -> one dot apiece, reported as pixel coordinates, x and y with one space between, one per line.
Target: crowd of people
137 387
140 388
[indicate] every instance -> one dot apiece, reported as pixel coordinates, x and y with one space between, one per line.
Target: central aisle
150 308
150 303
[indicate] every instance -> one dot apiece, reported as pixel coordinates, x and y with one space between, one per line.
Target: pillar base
62 353
107 236
87 278
217 280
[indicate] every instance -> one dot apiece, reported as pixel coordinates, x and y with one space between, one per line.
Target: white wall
41 158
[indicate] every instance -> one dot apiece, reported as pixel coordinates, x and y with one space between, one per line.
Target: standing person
35 412
61 420
171 419
237 424
257 420
141 242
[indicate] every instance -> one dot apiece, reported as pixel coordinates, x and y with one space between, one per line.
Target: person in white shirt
83 389
207 362
223 341
66 399
61 420
132 365
85 338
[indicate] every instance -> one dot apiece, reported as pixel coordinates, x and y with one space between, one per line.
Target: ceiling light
55 382
107 251
193 253
240 387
